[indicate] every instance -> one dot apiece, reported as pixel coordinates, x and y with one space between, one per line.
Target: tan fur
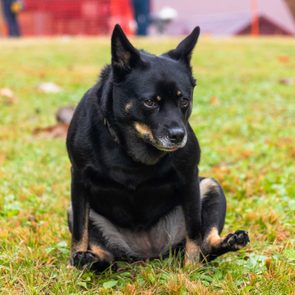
128 106
213 238
192 252
178 93
82 246
143 130
207 185
101 253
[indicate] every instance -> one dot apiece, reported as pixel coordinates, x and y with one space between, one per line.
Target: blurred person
141 10
11 9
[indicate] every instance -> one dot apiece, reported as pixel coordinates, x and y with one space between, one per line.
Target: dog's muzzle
172 142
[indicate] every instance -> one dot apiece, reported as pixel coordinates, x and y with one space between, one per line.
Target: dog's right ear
124 55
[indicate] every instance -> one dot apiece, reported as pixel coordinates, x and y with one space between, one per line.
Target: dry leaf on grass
55 131
49 87
214 100
287 81
64 115
7 96
283 58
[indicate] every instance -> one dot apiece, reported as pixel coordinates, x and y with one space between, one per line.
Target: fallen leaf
246 153
283 58
49 87
8 96
55 131
292 153
64 115
287 81
214 100
2 158
38 189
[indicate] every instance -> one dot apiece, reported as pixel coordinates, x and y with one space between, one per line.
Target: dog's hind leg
213 216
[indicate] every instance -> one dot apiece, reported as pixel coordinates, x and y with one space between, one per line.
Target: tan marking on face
213 238
101 253
178 93
128 106
158 98
143 130
207 185
192 252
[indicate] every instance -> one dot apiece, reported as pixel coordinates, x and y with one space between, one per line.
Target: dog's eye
150 103
184 103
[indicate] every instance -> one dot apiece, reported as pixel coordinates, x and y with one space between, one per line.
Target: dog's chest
136 206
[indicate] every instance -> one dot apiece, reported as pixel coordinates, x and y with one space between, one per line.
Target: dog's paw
236 241
80 259
89 260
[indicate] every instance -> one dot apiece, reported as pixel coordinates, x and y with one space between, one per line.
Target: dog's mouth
166 149
161 143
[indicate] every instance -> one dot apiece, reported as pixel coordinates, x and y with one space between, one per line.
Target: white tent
224 17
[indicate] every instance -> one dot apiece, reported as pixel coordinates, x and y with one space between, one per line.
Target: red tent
75 17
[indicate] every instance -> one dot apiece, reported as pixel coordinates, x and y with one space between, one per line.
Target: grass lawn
245 121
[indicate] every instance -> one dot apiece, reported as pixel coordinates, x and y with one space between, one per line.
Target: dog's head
152 95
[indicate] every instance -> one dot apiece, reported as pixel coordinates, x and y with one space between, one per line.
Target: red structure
75 17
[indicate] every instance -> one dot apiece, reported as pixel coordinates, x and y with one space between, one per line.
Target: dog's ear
124 55
185 48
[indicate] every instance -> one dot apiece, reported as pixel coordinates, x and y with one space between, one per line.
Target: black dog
136 190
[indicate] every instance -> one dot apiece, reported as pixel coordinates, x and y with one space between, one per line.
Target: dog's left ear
124 55
185 48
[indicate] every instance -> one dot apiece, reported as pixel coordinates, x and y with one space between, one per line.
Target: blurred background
243 115
146 17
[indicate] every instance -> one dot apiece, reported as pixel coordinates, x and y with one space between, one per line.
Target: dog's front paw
80 259
89 260
236 241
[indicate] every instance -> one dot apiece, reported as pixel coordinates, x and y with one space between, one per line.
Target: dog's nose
176 135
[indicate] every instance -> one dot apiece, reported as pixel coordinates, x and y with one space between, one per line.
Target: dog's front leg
192 213
80 211
84 251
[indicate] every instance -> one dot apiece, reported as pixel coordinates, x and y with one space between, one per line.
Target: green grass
245 121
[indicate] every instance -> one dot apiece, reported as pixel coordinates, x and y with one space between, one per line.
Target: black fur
134 177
